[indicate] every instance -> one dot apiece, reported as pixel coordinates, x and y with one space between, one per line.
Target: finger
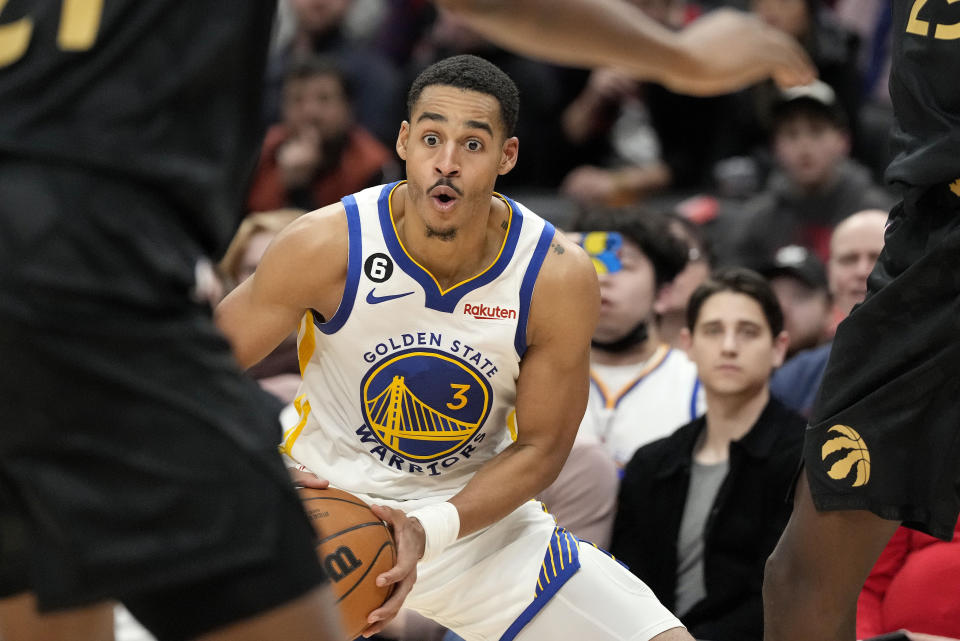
392 606
302 478
383 513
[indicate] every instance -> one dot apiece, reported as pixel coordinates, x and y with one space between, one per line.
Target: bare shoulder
566 297
308 260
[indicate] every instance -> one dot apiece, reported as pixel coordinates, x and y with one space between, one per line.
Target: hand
589 185
731 49
303 478
410 539
611 85
299 157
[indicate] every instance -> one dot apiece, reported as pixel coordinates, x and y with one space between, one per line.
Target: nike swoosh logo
373 299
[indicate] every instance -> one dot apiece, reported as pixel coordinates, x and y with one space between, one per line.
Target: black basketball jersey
925 89
163 92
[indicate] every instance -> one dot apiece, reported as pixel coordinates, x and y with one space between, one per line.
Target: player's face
732 346
317 103
454 147
626 296
809 150
854 249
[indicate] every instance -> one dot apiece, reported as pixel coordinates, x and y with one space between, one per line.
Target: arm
262 311
870 602
551 396
719 53
551 390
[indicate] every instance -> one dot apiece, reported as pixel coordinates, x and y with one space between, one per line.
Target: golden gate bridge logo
424 404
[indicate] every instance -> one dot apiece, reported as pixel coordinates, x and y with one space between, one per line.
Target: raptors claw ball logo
844 453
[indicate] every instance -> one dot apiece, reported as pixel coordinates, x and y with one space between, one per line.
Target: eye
431 140
474 145
749 331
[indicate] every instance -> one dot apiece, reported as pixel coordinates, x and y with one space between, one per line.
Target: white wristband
441 526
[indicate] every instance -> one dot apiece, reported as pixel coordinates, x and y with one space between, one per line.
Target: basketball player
883 445
429 310
128 129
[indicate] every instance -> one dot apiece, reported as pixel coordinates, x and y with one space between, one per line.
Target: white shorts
497 584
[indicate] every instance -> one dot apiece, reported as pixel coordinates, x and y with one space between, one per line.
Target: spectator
700 510
641 388
279 372
635 139
321 31
913 586
655 386
799 280
854 247
671 305
815 186
318 154
833 48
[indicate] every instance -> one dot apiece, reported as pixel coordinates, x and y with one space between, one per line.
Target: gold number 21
79 24
919 27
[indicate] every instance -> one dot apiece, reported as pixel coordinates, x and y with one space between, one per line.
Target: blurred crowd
766 206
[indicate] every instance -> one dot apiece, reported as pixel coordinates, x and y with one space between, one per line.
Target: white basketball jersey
406 390
632 405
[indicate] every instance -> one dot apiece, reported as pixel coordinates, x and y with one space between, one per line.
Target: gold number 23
919 27
79 24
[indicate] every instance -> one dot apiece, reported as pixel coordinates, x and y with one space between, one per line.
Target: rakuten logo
485 312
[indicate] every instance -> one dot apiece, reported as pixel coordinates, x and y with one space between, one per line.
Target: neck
637 354
729 418
451 261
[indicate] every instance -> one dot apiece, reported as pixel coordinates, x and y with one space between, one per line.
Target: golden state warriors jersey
407 388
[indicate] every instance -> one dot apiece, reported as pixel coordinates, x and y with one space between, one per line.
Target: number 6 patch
378 267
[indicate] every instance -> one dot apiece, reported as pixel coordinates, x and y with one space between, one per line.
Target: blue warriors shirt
407 388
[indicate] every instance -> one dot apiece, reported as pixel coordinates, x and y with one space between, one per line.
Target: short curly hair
475 74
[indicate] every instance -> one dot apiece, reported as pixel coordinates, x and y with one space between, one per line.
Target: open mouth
444 197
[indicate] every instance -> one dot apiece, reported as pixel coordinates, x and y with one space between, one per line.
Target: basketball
354 548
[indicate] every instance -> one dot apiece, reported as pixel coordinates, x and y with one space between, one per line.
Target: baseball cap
799 263
816 97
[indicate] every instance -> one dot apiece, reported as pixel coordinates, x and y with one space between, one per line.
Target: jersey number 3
79 24
919 27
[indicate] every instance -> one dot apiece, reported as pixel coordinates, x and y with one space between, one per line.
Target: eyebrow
471 124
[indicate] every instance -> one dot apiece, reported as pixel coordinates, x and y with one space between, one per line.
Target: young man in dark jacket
701 509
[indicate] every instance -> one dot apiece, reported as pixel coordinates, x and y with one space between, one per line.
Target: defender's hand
410 540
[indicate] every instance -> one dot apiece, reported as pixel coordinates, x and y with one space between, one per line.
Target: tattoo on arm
557 248
504 225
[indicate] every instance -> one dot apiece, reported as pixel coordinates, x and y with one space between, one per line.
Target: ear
846 143
402 138
780 345
685 340
508 155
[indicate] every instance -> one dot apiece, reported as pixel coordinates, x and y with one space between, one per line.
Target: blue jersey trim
561 561
354 260
526 286
446 301
693 399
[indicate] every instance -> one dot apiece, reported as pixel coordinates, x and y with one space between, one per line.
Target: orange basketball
354 548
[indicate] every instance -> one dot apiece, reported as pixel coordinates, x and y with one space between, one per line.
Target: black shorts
884 434
136 461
